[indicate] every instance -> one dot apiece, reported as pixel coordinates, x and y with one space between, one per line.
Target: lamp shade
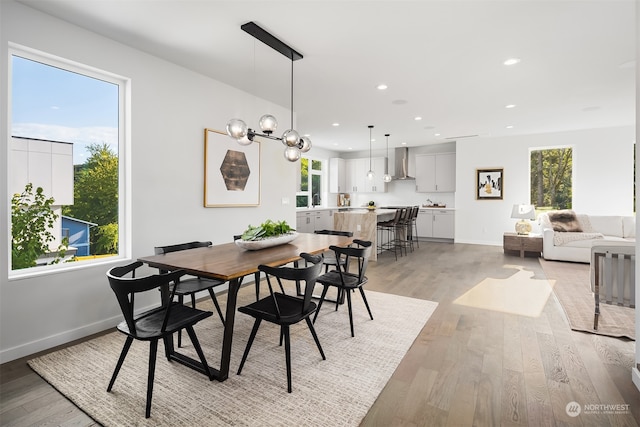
523 212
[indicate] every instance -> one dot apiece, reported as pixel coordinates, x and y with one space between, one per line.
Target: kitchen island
363 224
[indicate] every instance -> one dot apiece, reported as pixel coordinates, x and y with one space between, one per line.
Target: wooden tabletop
229 261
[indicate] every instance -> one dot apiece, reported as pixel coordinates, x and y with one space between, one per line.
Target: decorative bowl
254 245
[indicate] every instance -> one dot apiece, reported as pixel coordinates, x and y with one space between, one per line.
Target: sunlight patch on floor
518 294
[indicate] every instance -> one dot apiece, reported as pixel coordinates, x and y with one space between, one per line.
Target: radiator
613 276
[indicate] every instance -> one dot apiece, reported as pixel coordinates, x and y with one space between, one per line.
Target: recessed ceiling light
335 144
509 127
510 106
381 86
417 118
373 140
436 134
404 143
350 148
511 61
335 124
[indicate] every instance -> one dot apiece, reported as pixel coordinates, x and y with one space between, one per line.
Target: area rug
573 290
338 391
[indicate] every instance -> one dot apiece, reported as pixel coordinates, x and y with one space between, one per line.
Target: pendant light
370 174
387 177
244 135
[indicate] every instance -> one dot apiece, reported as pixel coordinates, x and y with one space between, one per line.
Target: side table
522 244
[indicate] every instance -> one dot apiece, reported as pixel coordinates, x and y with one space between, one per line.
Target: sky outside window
59 105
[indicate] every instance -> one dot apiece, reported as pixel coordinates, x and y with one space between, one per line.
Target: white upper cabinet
436 173
357 181
337 176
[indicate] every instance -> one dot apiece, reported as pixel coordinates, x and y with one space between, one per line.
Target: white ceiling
441 60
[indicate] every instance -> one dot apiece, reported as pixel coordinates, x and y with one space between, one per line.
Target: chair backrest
125 288
414 212
613 270
335 232
307 274
360 253
159 250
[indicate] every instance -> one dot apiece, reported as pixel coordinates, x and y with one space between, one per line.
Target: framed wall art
489 184
231 171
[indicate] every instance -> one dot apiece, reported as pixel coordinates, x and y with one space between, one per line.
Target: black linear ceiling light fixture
238 129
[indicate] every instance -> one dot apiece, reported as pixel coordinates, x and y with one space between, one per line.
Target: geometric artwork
231 171
235 170
489 184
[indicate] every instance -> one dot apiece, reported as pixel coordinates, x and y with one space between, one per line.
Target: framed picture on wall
231 171
489 184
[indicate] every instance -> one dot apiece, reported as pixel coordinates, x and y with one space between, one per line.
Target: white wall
170 107
602 180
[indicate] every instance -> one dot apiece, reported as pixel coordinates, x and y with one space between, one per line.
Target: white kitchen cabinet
337 176
356 171
436 173
424 223
377 184
310 221
443 224
356 175
436 223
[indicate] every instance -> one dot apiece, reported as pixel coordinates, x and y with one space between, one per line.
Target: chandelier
237 129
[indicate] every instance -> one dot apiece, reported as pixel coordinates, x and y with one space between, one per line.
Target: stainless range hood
402 164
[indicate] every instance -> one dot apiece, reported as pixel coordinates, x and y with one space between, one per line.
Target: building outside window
67 138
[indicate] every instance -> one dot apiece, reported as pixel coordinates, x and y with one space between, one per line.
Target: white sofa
596 229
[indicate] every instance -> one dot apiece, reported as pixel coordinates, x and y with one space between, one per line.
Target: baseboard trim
65 337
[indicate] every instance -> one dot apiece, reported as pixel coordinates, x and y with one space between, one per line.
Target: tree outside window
551 178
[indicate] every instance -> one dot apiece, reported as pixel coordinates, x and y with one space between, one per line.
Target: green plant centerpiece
269 233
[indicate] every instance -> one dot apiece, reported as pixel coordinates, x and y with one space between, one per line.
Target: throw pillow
565 221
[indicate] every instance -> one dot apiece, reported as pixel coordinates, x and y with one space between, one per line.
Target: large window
310 188
551 178
65 157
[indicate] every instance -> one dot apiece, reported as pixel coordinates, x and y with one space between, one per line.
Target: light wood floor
468 366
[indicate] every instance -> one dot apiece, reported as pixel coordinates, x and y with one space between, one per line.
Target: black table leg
232 297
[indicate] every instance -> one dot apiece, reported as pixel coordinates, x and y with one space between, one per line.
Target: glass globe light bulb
292 154
244 140
386 177
305 144
370 175
237 128
290 138
268 124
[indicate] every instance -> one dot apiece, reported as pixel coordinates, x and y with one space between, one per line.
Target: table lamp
524 213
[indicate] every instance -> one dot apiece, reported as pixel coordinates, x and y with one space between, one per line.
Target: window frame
323 181
124 156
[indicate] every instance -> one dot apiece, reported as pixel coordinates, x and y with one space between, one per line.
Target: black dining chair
155 324
285 310
328 258
191 285
346 281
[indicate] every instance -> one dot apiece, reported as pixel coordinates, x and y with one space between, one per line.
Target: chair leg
350 312
256 279
215 303
365 302
152 369
287 352
181 301
123 354
324 293
198 347
315 337
254 331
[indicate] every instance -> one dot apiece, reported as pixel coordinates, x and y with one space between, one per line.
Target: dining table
230 262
